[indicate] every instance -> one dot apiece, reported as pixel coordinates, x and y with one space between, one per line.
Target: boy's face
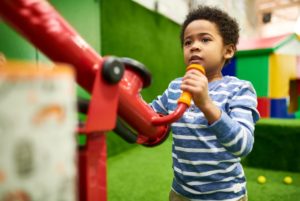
203 45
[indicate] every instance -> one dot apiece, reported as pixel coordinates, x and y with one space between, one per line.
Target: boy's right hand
197 84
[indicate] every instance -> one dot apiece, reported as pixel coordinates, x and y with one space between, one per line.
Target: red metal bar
92 169
171 117
136 112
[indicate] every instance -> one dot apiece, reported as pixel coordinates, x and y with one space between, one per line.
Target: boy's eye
205 40
187 42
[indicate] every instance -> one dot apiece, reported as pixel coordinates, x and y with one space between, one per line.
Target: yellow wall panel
282 70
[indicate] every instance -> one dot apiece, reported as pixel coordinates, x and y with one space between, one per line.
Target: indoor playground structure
114 85
59 168
273 66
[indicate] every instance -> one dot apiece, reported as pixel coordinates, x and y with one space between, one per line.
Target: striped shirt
206 158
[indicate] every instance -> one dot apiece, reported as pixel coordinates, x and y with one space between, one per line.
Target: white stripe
192 137
243 146
197 183
196 150
248 123
226 93
175 90
245 97
194 126
204 174
201 162
176 81
236 139
228 84
230 189
239 110
173 101
161 105
194 114
245 86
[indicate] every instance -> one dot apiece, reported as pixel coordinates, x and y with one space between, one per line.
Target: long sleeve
235 129
162 103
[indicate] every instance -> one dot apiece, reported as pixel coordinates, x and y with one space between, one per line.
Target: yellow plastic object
196 67
186 97
282 69
261 179
287 180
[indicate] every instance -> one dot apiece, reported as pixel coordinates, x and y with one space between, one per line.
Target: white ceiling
284 13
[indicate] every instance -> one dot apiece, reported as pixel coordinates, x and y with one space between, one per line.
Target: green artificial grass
145 174
274 189
279 122
140 174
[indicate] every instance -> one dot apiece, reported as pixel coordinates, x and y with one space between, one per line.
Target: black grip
124 132
82 105
139 68
121 128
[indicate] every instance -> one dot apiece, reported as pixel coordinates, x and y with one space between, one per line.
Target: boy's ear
229 51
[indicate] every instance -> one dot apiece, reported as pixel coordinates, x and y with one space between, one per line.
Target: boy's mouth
195 60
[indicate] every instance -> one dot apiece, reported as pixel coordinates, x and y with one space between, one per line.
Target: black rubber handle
82 105
121 128
124 132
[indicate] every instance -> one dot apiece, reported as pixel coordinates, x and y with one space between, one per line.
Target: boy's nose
196 46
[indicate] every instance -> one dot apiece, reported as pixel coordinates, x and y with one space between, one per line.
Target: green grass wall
13 46
276 145
130 30
84 16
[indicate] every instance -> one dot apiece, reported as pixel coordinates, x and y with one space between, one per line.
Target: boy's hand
197 84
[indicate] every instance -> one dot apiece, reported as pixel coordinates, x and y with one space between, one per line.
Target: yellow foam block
282 69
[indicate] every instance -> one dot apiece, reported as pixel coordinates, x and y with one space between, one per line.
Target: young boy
217 130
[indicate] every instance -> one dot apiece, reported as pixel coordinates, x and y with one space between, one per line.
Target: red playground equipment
114 84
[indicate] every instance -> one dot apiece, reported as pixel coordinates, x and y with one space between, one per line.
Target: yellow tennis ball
287 180
261 179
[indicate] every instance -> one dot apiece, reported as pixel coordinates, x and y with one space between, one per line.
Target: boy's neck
214 76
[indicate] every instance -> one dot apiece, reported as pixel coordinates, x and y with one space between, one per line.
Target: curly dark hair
227 26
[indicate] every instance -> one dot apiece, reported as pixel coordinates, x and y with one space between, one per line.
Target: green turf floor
145 174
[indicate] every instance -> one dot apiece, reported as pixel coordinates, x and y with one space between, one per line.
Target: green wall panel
130 30
256 70
83 16
13 45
